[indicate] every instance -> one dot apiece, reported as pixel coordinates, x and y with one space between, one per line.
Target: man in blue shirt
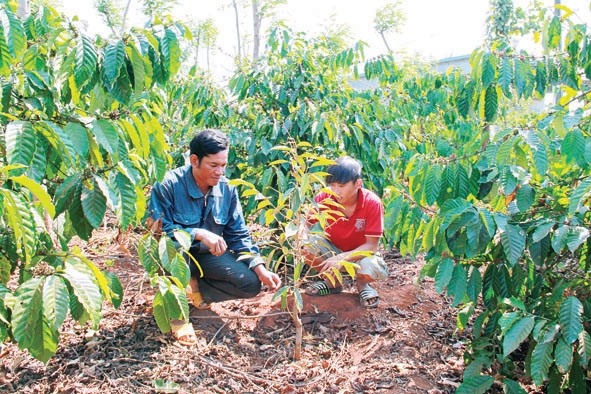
197 198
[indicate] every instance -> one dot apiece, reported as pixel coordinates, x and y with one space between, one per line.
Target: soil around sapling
409 344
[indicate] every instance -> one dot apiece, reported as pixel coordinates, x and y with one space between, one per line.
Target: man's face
346 192
209 171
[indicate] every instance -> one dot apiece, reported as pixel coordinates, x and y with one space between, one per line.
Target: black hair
344 170
208 142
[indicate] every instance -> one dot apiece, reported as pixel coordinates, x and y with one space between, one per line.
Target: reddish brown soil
409 344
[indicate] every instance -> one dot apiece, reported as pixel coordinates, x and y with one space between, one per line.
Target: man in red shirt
352 233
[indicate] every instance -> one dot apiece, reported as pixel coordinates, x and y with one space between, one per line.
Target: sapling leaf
183 238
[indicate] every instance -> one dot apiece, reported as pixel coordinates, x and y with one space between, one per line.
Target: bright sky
434 29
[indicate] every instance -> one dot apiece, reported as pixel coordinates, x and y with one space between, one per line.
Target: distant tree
112 14
506 20
501 20
531 19
389 19
204 34
154 9
261 9
337 35
237 21
23 8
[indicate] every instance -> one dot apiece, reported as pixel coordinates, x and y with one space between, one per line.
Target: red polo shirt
367 220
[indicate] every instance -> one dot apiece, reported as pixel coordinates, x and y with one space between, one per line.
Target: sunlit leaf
563 354
107 136
37 191
20 143
56 301
86 60
116 289
14 32
85 289
27 314
114 58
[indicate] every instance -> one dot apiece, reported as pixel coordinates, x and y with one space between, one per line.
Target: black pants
224 278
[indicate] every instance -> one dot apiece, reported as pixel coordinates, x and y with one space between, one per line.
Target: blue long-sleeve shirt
181 205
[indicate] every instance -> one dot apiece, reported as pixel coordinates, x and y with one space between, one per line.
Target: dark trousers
224 278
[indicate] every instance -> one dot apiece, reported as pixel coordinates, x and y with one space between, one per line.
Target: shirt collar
360 199
193 188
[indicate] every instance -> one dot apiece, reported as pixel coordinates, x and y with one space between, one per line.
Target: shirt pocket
187 219
220 218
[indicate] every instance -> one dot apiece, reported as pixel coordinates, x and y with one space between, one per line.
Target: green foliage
495 196
164 261
76 142
510 202
501 20
40 304
477 384
298 92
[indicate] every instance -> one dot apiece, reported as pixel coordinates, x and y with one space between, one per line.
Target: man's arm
236 233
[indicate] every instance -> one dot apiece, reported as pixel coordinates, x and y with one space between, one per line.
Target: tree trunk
256 29
208 58
385 42
237 28
24 9
297 351
197 43
555 89
124 17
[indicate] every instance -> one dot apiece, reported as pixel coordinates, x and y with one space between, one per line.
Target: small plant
285 224
168 271
165 386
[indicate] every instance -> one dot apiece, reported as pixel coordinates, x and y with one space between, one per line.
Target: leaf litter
409 344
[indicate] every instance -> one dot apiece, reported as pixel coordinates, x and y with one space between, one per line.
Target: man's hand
328 264
267 277
216 244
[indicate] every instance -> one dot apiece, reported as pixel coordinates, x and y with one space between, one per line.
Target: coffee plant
79 136
495 195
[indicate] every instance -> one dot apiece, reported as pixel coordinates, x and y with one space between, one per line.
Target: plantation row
496 196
